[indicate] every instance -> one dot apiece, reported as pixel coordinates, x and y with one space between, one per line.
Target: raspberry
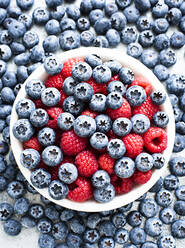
53 113
71 144
111 135
55 81
140 177
86 163
134 144
146 85
32 143
155 140
106 163
123 111
98 88
43 166
80 191
68 65
121 185
90 113
63 96
39 104
114 78
148 108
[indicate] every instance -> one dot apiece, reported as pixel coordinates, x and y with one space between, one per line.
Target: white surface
29 238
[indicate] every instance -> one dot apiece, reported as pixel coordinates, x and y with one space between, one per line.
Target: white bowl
140 72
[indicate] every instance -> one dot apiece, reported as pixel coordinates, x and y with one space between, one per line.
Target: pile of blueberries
69 27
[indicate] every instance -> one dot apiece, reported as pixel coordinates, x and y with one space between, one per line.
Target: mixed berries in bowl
92 130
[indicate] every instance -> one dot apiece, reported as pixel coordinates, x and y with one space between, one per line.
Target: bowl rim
141 71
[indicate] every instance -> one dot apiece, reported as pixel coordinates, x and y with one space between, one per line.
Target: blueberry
100 179
99 140
52 65
16 29
15 189
6 211
10 172
65 121
118 21
37 53
104 194
9 79
107 228
126 75
161 72
153 227
17 48
67 173
86 7
72 105
106 242
179 192
143 23
67 24
33 67
178 145
34 88
69 39
158 160
67 214
6 134
182 101
101 41
30 158
177 229
60 231
5 53
53 3
23 130
131 246
179 207
142 5
26 20
121 236
40 178
5 37
161 42
36 211
30 39
52 155
94 15
87 38
144 162
160 26
181 24
116 148
131 13
177 166
58 12
113 37
128 35
25 4
4 3
69 85
12 227
46 240
116 86
50 96
81 71
160 9
27 221
134 218
161 119
22 75
93 60
150 58
174 16
174 100
44 225
51 213
146 38
177 40
110 8
83 24
38 118
135 95
3 67
22 59
73 12
103 123
3 183
2 126
40 16
24 108
149 244
46 136
148 207
166 240
3 164
176 84
167 215
93 220
91 235
164 198
123 4
73 240
180 127
76 225
7 95
5 110
21 206
102 25
140 123
114 100
182 8
84 126
98 102
58 190
137 236
98 4
118 219
124 167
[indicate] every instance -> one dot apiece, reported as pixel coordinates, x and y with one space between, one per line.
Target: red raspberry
98 88
106 163
80 191
147 108
63 96
114 78
86 163
111 135
43 166
39 104
32 143
68 65
55 81
134 144
121 185
140 177
90 113
71 144
53 113
123 111
155 140
146 85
